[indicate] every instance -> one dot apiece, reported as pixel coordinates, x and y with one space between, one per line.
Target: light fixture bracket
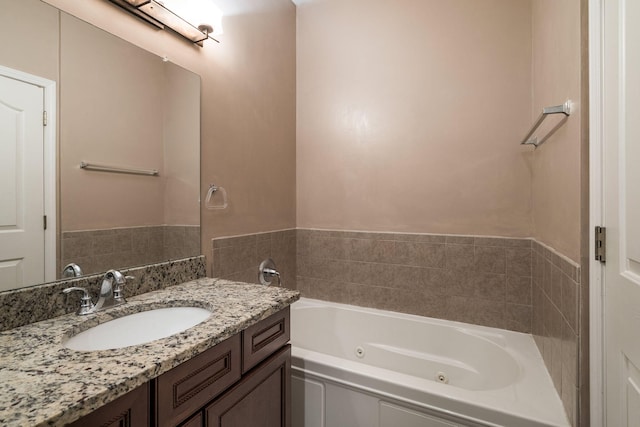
156 14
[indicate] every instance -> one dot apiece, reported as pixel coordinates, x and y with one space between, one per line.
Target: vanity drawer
188 387
264 338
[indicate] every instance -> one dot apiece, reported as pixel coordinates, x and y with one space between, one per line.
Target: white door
621 160
22 235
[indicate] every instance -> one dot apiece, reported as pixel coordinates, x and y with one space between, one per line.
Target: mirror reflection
122 107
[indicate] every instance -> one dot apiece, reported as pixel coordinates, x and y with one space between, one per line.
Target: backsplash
97 250
238 257
36 303
480 280
557 294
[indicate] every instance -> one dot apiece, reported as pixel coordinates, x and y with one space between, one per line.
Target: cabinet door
130 410
261 399
185 389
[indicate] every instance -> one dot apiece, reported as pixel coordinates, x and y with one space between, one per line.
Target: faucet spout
111 282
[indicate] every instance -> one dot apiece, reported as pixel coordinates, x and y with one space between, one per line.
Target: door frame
50 165
596 213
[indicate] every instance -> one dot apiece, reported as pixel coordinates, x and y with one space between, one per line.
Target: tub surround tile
490 259
459 256
238 257
37 303
518 290
518 317
464 278
42 383
557 328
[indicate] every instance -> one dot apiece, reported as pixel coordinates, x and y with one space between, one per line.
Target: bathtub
361 367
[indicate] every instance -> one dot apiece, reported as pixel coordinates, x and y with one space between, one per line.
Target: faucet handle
86 305
117 289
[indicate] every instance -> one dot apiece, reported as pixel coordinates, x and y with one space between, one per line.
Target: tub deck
352 364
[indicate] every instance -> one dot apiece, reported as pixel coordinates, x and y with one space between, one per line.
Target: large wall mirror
121 107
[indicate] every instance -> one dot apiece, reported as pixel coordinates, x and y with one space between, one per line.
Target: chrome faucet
111 290
110 293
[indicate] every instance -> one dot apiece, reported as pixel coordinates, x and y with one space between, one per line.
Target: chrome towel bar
546 111
106 168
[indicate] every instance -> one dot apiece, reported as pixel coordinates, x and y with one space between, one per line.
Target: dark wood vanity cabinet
261 399
244 381
129 410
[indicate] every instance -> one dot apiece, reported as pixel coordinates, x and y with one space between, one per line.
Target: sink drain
359 352
441 377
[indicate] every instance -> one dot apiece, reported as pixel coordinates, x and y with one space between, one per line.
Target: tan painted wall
248 106
42 42
410 114
556 164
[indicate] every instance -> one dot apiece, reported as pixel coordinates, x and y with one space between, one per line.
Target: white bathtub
360 367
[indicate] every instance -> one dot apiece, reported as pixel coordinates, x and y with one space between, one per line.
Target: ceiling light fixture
195 20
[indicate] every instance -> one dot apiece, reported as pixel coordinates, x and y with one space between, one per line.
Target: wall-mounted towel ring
209 201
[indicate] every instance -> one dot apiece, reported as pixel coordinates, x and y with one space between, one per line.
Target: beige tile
536 269
490 286
517 243
432 282
123 238
569 398
546 277
359 250
247 276
103 243
459 240
174 235
327 247
476 311
569 353
555 369
518 318
303 286
459 256
76 247
370 296
223 242
383 251
569 301
234 259
302 243
421 238
519 290
430 255
556 286
490 259
406 277
263 250
216 270
552 320
518 261
327 269
370 273
419 304
328 290
488 241
459 283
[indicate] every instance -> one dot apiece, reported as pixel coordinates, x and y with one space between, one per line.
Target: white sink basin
138 328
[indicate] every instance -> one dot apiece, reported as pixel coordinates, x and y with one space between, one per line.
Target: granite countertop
43 383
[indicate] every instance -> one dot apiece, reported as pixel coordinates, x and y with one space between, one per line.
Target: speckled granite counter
43 383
